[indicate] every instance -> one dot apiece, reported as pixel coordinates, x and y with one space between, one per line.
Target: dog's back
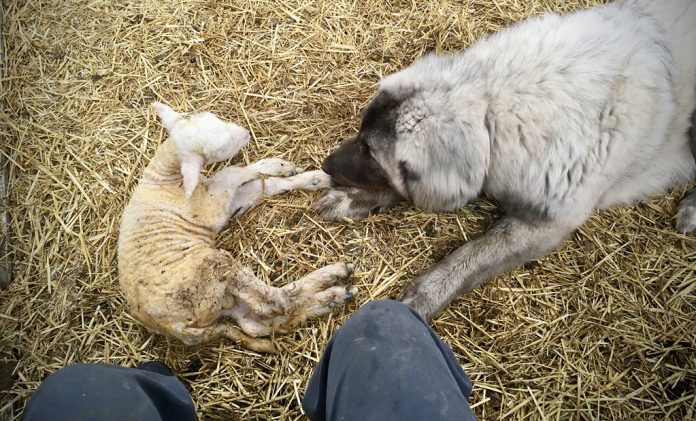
610 86
678 19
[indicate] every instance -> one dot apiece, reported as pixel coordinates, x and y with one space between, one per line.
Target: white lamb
175 281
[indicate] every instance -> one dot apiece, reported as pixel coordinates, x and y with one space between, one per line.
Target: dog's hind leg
509 243
686 213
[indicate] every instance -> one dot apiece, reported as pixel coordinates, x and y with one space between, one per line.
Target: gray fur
686 213
692 134
509 243
354 203
553 118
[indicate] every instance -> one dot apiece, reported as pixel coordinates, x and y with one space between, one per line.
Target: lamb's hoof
264 346
276 167
350 294
312 180
350 268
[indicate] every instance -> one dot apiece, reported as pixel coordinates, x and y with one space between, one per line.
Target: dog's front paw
340 203
275 167
418 301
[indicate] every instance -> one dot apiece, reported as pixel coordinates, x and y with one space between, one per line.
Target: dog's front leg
509 243
354 203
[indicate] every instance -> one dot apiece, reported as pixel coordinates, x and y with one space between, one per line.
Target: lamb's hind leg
261 309
222 329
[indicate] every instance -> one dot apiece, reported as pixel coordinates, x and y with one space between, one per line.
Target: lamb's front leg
509 243
251 193
231 179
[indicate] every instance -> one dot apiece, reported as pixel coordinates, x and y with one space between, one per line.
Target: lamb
175 281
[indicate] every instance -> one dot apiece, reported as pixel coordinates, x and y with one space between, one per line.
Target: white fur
198 136
598 103
174 279
554 118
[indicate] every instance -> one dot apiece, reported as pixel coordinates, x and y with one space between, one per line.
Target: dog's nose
326 165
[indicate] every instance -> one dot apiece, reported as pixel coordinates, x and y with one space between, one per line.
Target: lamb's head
200 139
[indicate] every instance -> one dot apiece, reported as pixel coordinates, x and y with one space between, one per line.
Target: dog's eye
364 146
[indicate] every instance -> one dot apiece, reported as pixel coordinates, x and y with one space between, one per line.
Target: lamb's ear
191 166
168 116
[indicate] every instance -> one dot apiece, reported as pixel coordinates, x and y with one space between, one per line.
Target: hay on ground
603 328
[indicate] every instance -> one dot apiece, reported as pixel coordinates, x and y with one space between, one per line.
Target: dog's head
429 144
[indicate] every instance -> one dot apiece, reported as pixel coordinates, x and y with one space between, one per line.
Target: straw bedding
605 328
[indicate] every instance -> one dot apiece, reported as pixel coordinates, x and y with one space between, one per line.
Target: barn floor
605 328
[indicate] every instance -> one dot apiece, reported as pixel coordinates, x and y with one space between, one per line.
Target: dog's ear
443 164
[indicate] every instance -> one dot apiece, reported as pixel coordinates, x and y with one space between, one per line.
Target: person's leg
109 392
384 364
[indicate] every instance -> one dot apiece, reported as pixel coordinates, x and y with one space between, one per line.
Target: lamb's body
170 271
178 284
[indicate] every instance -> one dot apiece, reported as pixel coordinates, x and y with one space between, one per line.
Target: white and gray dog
554 118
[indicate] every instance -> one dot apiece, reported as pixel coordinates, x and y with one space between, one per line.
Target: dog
175 281
554 118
